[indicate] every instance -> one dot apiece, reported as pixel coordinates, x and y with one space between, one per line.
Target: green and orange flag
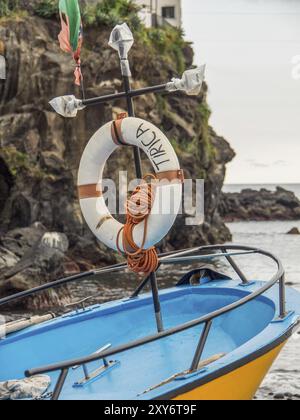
71 35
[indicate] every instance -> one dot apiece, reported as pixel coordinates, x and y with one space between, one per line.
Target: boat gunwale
231 367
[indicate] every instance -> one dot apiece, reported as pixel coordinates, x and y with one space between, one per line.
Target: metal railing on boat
172 258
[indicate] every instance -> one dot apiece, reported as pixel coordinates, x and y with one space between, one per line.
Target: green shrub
20 162
7 7
112 12
167 41
106 12
46 8
204 111
15 160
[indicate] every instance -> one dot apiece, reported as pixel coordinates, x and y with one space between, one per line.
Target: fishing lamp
67 106
191 81
121 40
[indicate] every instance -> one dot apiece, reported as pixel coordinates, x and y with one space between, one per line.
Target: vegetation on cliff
167 40
8 7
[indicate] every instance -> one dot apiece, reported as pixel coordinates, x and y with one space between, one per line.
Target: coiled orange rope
138 209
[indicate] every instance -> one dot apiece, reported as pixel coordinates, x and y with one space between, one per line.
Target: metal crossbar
124 95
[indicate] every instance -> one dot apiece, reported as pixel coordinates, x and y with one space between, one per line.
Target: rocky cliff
262 205
40 151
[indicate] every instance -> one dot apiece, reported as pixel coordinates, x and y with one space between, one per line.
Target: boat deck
82 333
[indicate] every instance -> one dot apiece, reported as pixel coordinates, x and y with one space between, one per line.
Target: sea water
284 378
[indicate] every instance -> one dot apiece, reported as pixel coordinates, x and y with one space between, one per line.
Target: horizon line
262 183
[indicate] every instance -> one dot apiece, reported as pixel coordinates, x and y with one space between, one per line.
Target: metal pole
236 268
282 297
60 384
121 40
156 302
140 287
131 113
139 174
201 346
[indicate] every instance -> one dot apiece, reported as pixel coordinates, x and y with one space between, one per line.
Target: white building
154 12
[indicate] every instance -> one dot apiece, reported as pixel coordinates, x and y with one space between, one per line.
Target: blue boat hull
235 340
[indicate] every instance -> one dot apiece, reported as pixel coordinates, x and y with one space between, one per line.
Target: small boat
217 339
209 337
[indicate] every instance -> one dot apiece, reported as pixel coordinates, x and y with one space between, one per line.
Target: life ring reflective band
150 139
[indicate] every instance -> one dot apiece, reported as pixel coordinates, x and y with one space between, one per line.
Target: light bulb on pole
191 81
121 40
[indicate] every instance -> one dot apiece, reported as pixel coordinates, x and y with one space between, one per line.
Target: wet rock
20 241
7 259
29 279
294 231
6 183
71 268
260 205
43 261
279 396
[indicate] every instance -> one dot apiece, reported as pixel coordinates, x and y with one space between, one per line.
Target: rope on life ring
138 209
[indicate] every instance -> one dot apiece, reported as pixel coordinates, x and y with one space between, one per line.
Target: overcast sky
254 89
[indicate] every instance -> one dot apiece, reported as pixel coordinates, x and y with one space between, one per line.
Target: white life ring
129 132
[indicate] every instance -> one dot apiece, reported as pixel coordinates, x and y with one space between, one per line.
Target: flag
71 35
